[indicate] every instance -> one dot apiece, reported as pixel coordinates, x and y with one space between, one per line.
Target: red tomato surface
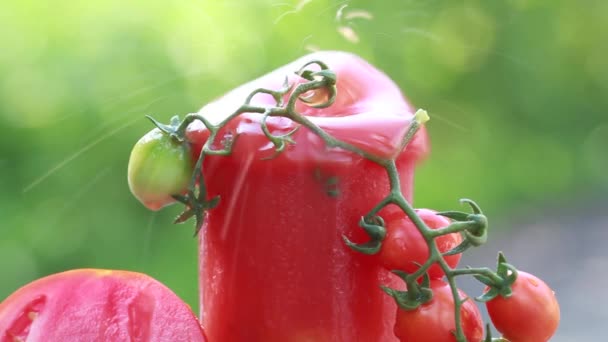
434 321
531 314
273 265
97 305
404 245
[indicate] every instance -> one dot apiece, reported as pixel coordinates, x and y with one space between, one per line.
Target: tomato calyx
499 285
375 229
196 206
415 295
172 129
472 226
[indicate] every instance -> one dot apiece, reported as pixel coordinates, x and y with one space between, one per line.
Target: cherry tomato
404 246
159 167
434 320
531 314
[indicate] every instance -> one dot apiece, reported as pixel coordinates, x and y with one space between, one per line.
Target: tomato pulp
97 305
273 264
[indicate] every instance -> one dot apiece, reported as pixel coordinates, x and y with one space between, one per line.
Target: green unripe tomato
159 167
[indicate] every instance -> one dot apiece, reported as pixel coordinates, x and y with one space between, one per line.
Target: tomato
159 167
530 314
434 320
273 265
97 305
404 245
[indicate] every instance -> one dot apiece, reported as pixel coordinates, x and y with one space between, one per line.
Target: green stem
332 142
399 200
385 201
457 302
480 271
455 227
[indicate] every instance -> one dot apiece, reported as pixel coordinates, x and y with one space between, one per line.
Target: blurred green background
516 89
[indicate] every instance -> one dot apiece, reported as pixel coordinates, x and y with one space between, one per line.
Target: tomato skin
434 320
531 314
404 245
158 168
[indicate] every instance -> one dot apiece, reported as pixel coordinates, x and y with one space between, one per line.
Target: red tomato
434 320
97 305
404 246
273 265
531 314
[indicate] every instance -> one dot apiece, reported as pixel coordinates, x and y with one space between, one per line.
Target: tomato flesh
97 305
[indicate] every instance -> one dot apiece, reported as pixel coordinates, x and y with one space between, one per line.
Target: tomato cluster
522 310
160 167
287 277
529 314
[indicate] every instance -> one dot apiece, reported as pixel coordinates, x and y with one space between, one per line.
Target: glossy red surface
531 314
273 265
404 247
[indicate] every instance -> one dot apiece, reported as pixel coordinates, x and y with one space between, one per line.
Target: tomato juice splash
273 264
298 171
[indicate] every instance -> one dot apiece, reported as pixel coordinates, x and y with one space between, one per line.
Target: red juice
273 264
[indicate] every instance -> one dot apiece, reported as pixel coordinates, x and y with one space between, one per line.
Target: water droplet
349 34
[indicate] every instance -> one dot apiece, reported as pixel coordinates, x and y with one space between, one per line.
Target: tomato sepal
472 226
195 208
508 275
375 229
416 295
172 129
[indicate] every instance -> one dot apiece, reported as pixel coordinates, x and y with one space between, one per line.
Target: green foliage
515 89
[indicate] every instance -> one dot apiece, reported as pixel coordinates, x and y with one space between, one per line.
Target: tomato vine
321 84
